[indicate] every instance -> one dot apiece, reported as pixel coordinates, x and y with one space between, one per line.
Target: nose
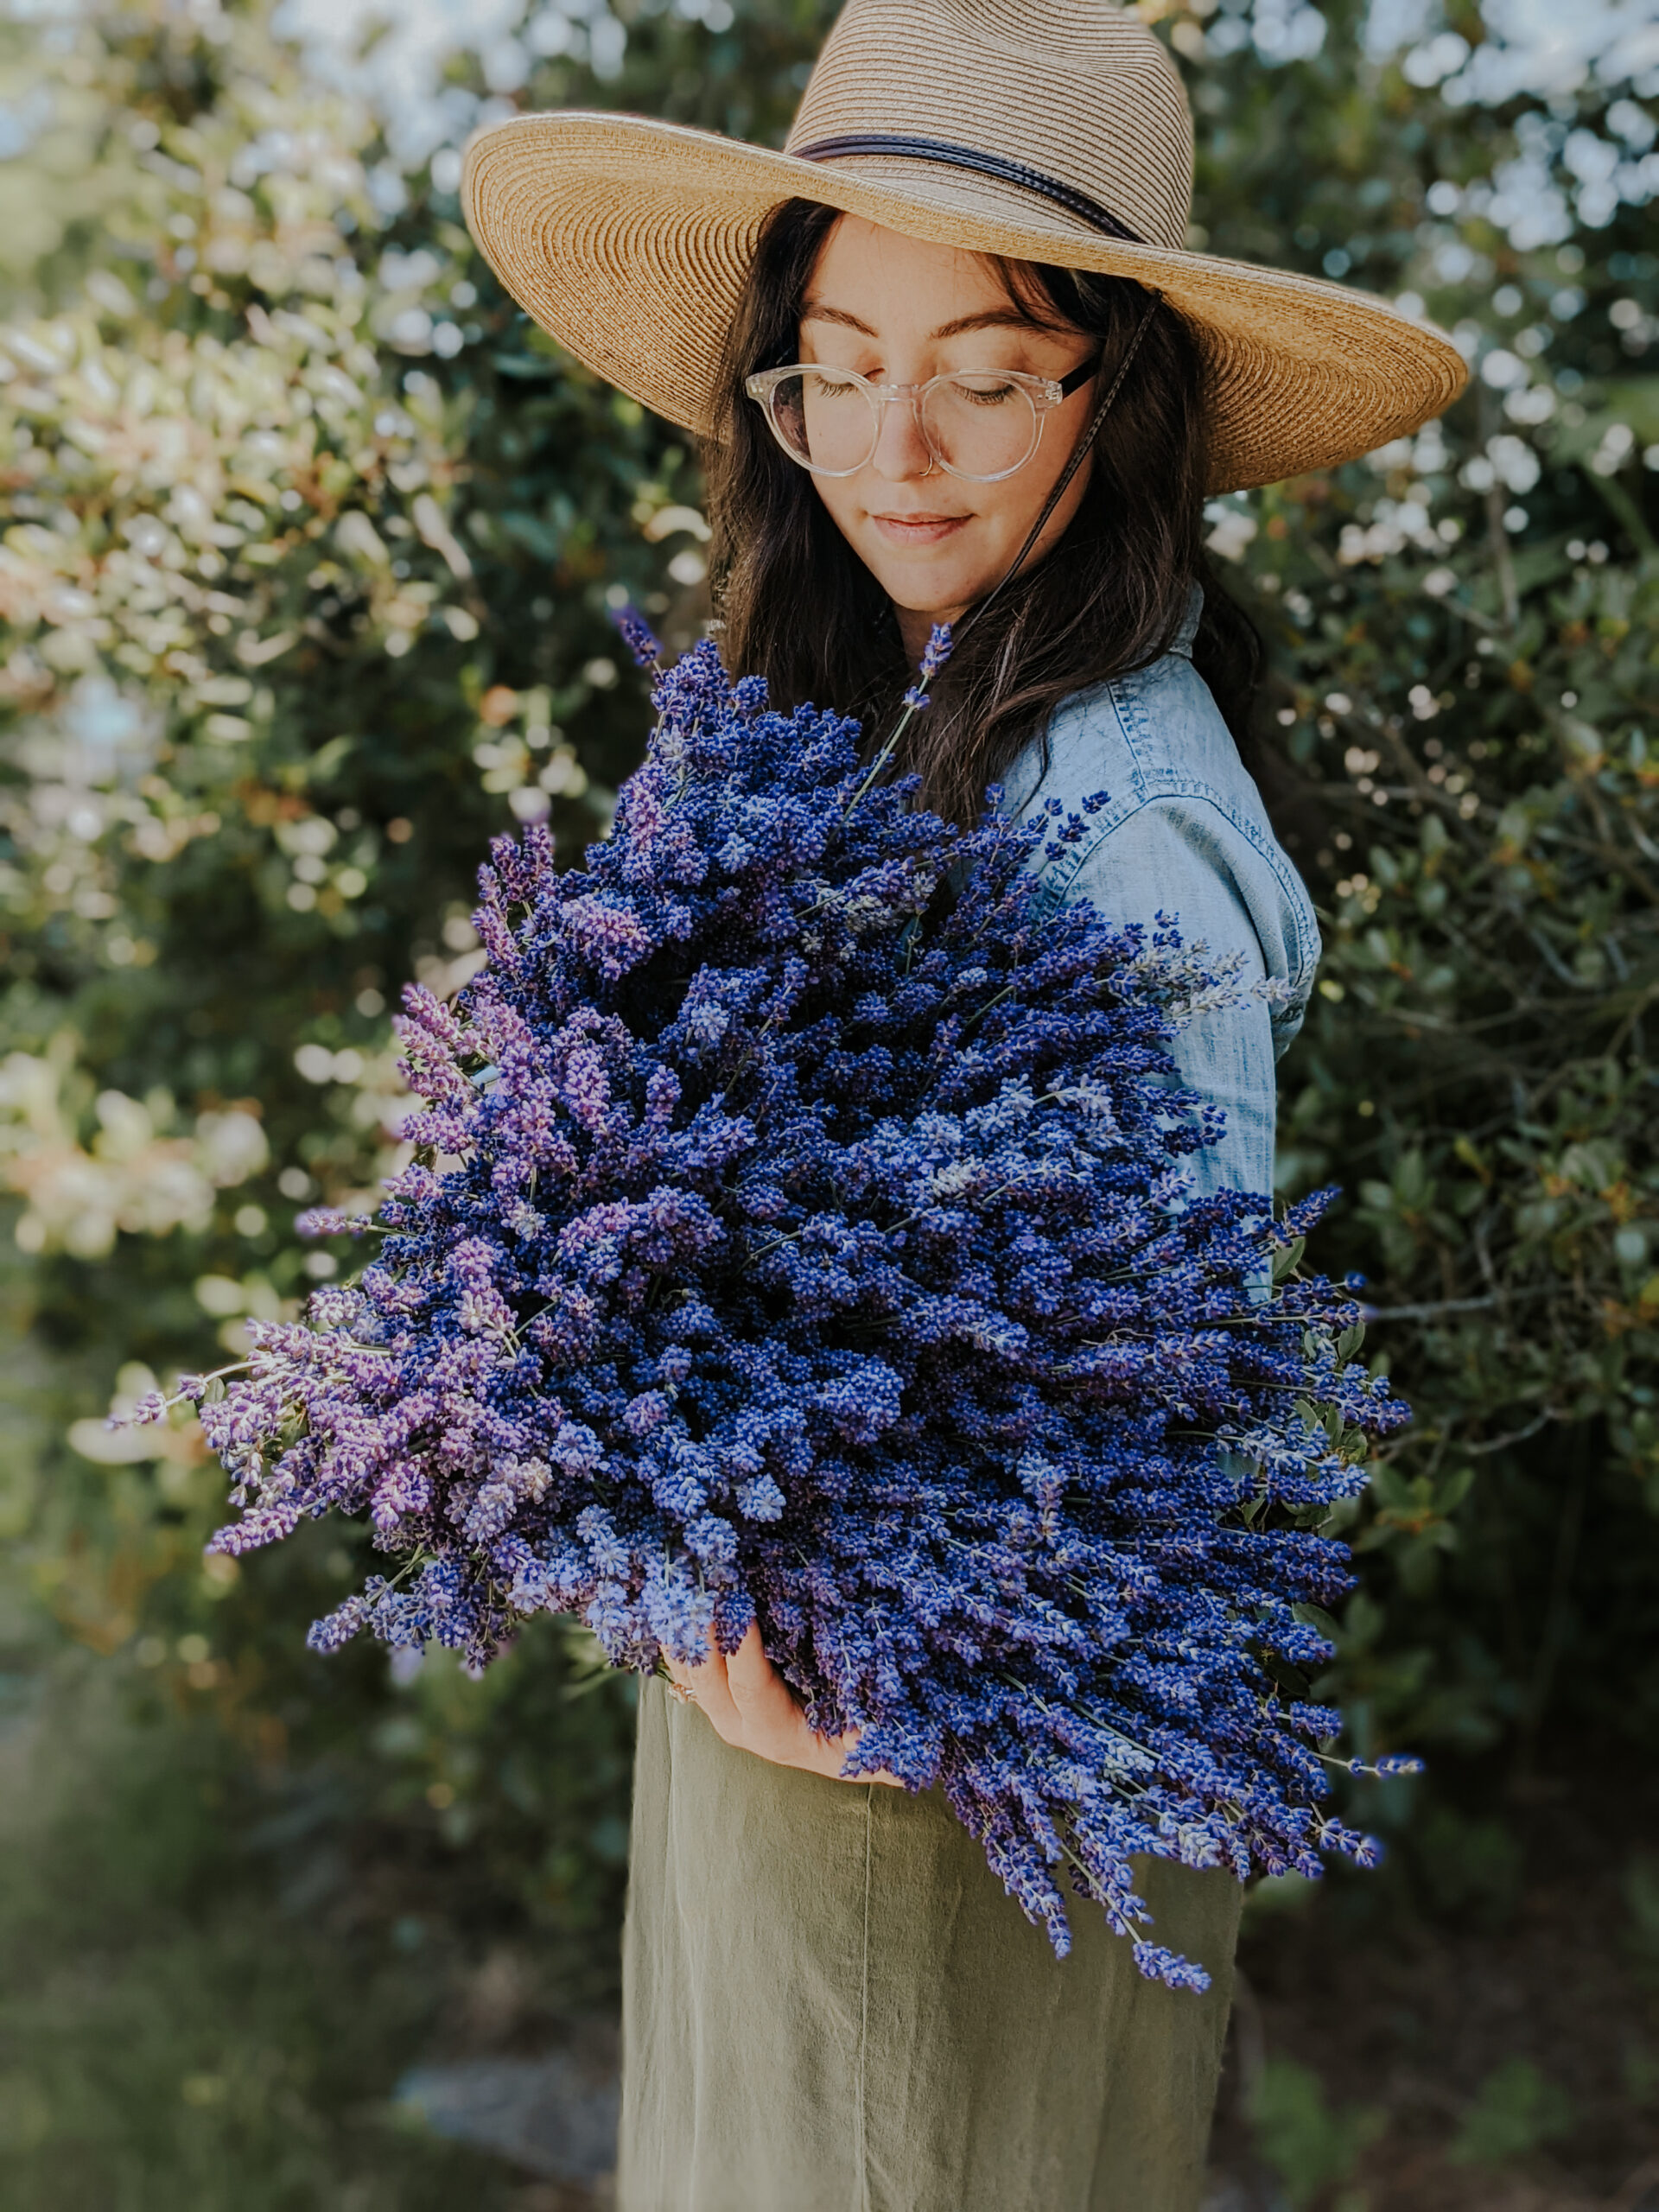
901 450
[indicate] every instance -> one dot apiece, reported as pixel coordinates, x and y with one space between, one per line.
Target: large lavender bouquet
799 1234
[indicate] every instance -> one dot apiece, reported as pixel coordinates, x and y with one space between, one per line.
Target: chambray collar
1182 641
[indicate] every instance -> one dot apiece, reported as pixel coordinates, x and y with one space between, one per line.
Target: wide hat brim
629 241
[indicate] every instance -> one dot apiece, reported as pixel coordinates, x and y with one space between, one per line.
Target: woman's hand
749 1705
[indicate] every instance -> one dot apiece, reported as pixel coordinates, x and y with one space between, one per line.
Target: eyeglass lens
978 426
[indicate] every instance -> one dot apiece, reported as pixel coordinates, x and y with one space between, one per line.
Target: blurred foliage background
307 542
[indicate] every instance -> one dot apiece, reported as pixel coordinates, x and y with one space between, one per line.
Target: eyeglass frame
1045 394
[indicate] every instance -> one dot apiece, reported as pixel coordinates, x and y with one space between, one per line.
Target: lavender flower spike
937 652
798 1233
637 636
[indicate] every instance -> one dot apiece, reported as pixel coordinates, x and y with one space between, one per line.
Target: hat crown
1078 91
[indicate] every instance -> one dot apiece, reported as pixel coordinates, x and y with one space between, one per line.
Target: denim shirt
1184 833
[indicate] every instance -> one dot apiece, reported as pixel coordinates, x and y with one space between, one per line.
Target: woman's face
899 311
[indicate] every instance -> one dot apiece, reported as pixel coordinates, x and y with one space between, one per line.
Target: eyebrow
988 319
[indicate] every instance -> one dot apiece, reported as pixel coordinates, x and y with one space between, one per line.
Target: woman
953 364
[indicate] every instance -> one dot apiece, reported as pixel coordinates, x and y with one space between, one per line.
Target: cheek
1010 507
1024 496
838 497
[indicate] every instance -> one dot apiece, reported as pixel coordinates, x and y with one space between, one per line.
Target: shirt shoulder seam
1060 872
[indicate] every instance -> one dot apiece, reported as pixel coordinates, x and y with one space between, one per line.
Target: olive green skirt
830 2004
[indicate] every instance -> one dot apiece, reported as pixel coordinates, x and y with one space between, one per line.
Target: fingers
751 1708
761 1694
774 1726
707 1683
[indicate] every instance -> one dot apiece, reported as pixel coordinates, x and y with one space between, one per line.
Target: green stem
881 758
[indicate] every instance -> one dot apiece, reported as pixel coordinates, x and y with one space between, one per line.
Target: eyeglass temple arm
1068 385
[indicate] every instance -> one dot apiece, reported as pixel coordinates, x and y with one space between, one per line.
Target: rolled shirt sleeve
1178 857
1172 824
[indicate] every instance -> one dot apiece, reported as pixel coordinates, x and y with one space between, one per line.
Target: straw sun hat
1052 131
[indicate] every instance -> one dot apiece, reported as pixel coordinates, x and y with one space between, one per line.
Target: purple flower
799 1233
331 1221
933 659
636 635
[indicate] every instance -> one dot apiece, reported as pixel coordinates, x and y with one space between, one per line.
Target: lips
919 530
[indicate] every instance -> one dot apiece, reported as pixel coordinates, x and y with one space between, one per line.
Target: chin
921 588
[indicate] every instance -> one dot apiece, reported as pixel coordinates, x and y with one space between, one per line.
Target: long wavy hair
798 606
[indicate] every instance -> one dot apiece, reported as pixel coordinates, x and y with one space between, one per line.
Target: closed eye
832 386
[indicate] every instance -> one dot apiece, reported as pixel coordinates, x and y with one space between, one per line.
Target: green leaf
1516 2111
1454 1489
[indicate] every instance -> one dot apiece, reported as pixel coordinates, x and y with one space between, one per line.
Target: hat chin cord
1079 453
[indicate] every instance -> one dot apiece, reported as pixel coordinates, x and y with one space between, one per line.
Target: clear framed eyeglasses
978 424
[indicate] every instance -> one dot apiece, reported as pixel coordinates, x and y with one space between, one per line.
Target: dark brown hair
800 608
